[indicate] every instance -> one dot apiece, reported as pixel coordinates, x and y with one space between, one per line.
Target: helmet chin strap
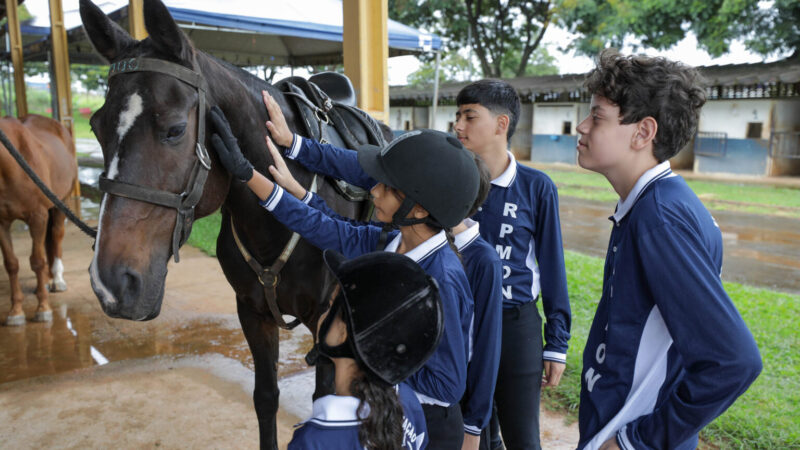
399 218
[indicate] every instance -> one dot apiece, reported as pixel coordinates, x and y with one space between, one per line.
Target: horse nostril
129 286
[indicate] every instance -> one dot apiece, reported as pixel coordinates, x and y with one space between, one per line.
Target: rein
185 202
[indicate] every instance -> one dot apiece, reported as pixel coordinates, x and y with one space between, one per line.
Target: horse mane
251 81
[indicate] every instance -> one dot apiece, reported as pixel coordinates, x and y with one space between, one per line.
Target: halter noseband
185 202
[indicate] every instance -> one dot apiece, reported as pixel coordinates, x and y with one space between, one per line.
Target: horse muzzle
125 293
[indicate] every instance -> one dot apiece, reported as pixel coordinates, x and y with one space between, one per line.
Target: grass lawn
39 102
739 197
767 416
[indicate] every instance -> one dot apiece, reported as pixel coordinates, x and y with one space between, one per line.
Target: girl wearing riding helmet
426 183
384 322
481 263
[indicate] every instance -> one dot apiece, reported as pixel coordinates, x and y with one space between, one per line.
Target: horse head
158 177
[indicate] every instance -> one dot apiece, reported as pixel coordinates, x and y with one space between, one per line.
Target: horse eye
176 131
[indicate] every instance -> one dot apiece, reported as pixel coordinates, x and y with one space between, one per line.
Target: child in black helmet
384 322
414 193
480 260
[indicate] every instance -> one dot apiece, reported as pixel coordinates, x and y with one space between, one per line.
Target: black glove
224 143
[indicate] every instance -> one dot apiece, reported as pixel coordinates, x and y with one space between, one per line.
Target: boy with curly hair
667 351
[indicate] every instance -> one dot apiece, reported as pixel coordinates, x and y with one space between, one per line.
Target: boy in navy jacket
667 351
520 220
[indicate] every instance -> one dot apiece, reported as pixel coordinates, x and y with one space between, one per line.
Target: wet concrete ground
758 250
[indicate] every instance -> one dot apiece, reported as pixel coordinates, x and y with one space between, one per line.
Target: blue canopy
243 32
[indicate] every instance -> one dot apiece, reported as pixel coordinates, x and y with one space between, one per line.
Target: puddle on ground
757 250
78 339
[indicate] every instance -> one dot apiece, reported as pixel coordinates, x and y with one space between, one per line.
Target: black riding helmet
431 168
392 311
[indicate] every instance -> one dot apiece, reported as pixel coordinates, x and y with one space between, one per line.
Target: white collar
336 408
654 174
468 236
507 177
421 251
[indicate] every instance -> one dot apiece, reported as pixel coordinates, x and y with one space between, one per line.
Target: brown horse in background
48 148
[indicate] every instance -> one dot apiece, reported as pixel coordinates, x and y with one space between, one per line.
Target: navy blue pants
445 426
519 381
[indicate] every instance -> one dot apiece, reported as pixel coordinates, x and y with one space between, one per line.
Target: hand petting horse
158 178
48 149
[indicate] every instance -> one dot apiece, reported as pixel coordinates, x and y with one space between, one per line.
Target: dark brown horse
48 149
149 129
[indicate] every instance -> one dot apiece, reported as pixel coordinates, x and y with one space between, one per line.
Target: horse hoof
15 321
58 286
43 316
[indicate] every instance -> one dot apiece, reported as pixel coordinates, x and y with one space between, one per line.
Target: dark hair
484 184
643 86
497 96
383 427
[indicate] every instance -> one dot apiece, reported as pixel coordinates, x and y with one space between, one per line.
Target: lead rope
46 190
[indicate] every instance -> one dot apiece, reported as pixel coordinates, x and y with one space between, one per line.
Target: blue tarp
307 19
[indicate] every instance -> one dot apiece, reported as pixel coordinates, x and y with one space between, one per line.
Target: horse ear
107 37
164 32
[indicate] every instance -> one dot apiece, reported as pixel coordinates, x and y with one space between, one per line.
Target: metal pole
432 118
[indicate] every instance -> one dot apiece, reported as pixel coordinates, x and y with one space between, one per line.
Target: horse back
48 149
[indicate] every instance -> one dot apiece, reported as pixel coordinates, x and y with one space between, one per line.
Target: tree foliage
503 33
660 24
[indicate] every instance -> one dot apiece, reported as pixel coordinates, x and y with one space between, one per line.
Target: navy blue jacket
443 377
520 220
484 272
334 424
667 351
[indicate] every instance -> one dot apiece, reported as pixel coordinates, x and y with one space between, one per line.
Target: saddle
327 105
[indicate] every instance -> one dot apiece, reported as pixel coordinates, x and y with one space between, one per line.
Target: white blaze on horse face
107 296
129 115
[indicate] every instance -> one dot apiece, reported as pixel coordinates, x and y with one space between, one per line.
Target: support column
366 51
60 62
136 20
15 38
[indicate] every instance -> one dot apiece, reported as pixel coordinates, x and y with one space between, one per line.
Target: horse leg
262 338
38 228
15 316
55 236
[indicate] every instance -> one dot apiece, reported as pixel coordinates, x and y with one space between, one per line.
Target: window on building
407 125
450 127
566 128
754 130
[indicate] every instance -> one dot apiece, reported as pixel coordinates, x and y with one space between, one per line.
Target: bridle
185 202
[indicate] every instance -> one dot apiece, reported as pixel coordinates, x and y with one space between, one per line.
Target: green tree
455 67
497 30
91 77
662 23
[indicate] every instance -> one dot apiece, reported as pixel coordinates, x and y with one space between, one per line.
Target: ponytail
382 428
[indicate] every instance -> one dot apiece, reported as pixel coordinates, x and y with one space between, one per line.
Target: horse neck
238 94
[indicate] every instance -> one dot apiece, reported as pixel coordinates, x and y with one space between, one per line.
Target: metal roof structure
242 32
753 80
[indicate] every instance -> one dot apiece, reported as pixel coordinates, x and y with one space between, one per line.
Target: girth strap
270 277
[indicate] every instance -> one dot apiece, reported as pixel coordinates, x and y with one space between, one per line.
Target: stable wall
401 118
554 138
748 124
